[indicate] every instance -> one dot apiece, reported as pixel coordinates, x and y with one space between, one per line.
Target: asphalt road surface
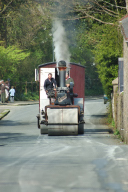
30 162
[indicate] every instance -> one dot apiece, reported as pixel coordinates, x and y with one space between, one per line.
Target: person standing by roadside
12 93
2 92
6 91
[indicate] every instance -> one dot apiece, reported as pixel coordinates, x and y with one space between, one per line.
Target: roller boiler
61 110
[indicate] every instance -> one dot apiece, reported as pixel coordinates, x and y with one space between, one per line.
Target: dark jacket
49 84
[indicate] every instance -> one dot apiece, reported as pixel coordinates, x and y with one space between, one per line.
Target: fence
25 87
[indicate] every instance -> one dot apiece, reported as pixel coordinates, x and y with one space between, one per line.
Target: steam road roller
61 107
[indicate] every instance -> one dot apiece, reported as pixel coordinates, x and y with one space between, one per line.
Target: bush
30 96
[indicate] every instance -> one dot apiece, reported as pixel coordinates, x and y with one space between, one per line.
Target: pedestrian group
5 92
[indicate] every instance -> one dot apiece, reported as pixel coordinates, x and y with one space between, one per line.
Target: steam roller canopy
63 121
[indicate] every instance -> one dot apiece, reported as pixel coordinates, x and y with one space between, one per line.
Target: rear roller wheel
38 121
81 129
43 129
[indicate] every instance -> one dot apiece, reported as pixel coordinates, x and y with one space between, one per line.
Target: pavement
5 107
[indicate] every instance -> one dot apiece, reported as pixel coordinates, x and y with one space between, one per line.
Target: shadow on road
98 131
99 116
15 123
8 138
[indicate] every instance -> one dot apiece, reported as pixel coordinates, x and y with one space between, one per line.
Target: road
95 161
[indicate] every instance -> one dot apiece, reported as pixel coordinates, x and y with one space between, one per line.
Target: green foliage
107 51
28 27
116 132
82 52
100 37
24 24
10 60
109 112
113 123
30 96
95 39
93 90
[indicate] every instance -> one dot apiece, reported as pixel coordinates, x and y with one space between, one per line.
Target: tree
27 27
106 53
100 28
26 24
10 59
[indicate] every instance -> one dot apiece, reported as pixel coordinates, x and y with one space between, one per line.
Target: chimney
62 71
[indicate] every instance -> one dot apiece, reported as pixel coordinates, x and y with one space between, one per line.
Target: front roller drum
62 121
62 130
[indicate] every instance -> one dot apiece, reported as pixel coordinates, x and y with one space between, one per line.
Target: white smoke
60 42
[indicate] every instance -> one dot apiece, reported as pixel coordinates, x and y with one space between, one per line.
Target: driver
49 83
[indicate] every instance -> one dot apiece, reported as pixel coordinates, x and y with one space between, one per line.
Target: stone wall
118 111
125 91
125 114
120 100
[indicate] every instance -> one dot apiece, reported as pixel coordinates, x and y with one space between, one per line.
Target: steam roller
61 111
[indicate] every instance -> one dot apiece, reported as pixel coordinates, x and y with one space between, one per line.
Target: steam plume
60 41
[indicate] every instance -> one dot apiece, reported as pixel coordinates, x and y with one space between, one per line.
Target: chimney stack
62 71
